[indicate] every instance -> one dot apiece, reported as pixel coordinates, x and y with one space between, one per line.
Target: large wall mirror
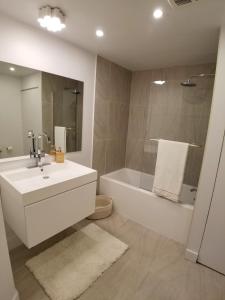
48 104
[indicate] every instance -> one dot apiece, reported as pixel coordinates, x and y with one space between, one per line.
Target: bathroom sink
32 185
39 204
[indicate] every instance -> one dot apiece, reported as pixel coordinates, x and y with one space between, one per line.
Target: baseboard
16 296
191 255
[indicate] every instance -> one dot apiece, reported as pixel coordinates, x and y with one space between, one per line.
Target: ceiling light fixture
51 18
12 69
99 33
158 13
159 82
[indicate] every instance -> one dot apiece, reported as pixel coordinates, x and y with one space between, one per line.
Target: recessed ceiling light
99 33
158 13
159 82
12 69
51 18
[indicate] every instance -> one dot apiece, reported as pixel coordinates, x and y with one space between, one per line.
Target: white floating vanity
38 205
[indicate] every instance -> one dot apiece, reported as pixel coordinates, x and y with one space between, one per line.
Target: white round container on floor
103 208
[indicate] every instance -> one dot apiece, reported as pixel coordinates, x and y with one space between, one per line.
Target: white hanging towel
170 167
60 138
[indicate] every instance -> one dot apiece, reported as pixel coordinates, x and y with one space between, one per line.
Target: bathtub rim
128 185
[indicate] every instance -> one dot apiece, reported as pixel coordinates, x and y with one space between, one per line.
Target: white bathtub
142 206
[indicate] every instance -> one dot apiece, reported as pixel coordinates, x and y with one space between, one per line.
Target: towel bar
191 145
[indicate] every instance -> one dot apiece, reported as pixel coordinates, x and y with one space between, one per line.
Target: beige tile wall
111 116
169 112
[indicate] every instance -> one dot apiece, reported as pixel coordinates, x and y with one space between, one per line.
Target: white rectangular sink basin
38 205
33 185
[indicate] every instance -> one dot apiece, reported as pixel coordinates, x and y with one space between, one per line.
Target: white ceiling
186 35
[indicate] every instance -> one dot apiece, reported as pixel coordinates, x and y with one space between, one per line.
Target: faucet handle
41 153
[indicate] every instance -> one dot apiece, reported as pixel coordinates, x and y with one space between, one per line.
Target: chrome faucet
36 150
31 136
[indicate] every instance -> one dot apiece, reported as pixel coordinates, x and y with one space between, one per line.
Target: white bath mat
69 267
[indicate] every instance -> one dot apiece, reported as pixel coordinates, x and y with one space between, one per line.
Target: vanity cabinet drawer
52 215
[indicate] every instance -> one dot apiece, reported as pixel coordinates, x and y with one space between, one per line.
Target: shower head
189 83
73 91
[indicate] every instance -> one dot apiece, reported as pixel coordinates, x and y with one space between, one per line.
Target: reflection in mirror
48 104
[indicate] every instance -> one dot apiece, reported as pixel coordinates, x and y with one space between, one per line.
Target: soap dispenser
59 156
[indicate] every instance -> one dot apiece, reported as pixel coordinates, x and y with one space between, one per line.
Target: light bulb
51 18
99 33
158 13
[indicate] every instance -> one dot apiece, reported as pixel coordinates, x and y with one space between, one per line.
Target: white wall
7 288
10 116
37 49
211 156
31 105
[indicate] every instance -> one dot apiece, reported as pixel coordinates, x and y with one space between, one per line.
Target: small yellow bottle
59 156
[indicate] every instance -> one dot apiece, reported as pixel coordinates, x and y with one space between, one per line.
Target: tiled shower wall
111 116
170 112
52 106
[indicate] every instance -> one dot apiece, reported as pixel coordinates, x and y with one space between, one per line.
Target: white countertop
32 185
